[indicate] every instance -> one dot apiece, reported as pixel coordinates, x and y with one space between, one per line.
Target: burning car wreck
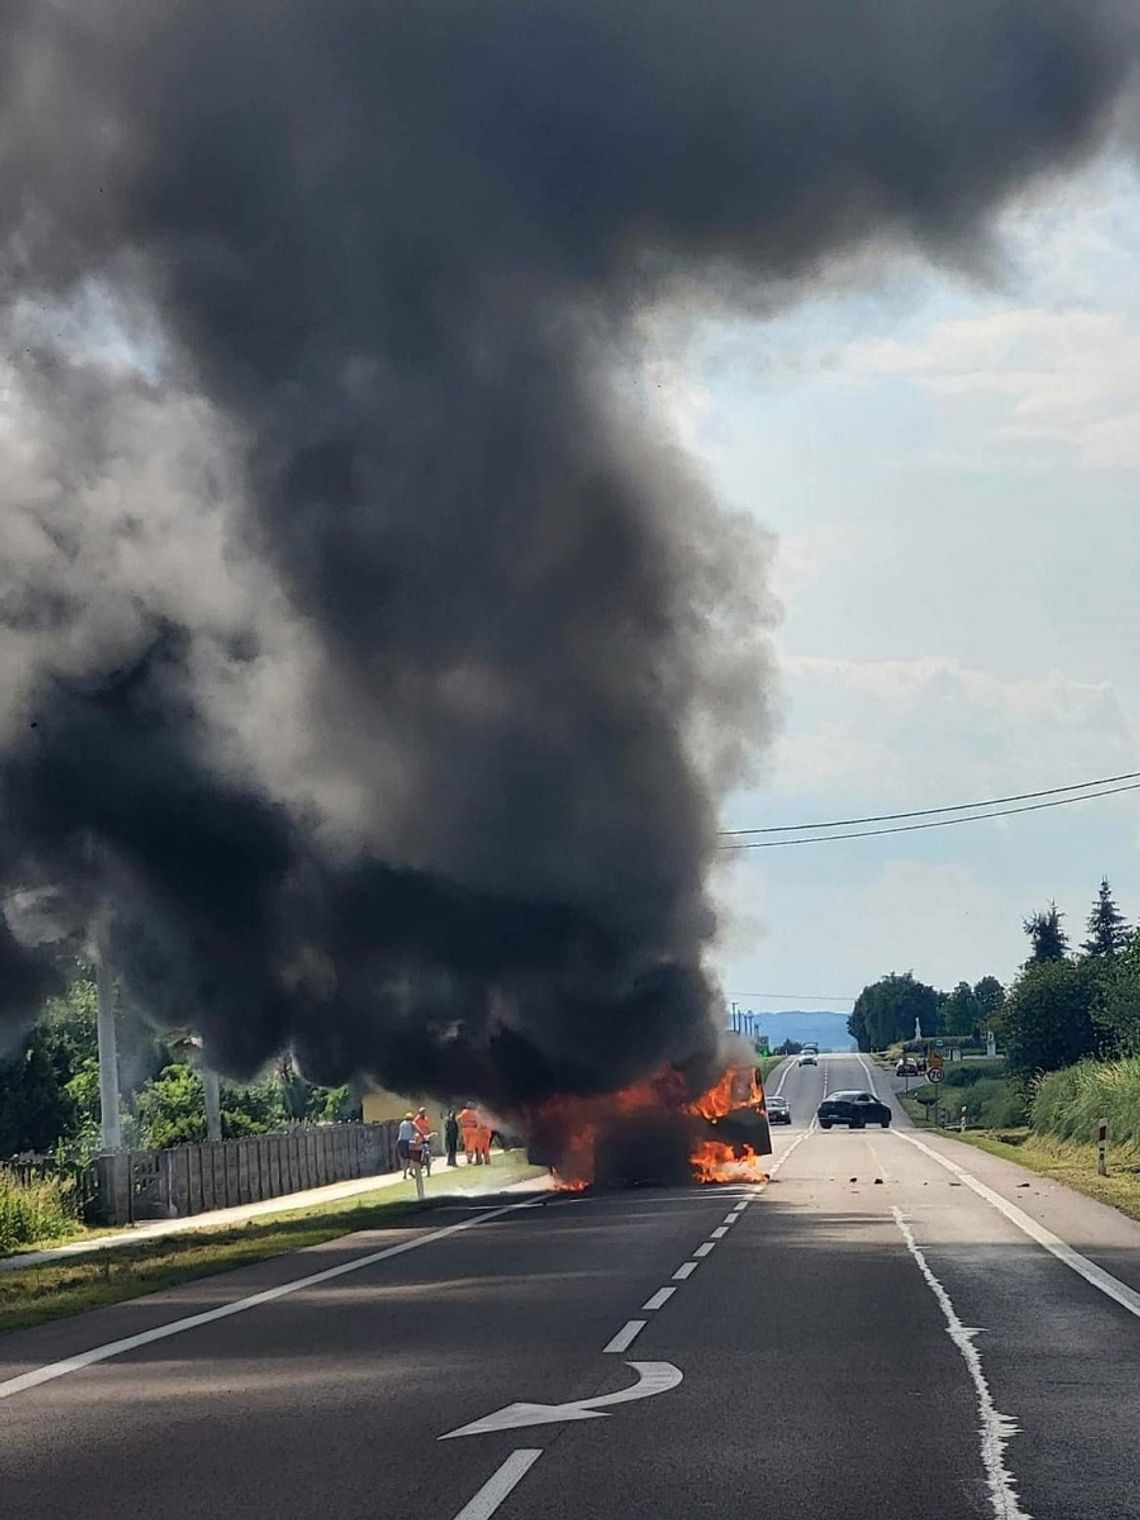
655 1133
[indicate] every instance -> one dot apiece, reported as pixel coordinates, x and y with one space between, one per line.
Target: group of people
473 1130
467 1127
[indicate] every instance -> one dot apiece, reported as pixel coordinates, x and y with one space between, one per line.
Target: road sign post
1101 1144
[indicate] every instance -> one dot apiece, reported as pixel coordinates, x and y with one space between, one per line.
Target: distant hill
829 1030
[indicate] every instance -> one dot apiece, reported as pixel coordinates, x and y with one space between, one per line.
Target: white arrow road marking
652 1378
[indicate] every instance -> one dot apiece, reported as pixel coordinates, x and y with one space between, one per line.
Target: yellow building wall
379 1106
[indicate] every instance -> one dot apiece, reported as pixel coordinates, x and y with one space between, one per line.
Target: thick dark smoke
365 646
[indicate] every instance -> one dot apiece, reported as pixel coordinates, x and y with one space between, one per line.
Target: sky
948 460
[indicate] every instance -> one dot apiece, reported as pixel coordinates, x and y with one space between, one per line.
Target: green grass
1069 1162
33 1295
1069 1104
43 1210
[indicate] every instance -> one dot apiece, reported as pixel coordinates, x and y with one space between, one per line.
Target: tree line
1063 1005
49 1086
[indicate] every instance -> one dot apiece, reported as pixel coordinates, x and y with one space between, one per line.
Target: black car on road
779 1110
856 1109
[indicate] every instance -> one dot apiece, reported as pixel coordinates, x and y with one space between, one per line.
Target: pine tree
1107 930
1049 940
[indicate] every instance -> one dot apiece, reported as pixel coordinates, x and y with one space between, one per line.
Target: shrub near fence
38 1209
1072 1102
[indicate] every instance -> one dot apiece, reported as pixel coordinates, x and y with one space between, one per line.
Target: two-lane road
874 1333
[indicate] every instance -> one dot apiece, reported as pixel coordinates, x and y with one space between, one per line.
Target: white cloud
1026 376
918 729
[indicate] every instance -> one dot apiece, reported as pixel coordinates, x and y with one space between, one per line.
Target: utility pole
110 1129
212 1093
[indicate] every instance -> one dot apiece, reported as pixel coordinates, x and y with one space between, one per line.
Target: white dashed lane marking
626 1335
659 1299
499 1485
685 1270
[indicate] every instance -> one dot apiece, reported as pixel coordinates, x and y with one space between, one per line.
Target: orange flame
574 1125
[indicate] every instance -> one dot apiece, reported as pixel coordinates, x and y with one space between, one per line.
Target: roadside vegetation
1069 1031
49 1086
35 1211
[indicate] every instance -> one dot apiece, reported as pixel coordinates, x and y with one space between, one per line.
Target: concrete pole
111 1134
212 1092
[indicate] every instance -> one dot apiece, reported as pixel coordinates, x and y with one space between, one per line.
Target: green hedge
1071 1103
967 1073
991 1102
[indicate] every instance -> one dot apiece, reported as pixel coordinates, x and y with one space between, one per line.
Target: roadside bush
1071 1103
968 1073
34 1211
994 1103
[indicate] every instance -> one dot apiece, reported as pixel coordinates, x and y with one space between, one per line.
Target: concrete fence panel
193 1179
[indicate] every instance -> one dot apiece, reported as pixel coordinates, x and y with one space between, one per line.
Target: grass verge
55 1290
1067 1161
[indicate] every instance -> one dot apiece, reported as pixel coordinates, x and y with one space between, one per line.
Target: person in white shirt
404 1137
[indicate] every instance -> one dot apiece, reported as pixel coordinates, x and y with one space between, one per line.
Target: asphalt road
872 1334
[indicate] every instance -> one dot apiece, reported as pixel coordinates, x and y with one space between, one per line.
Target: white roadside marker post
962 1121
1101 1142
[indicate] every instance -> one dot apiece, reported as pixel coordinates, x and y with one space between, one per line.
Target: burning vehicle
655 1133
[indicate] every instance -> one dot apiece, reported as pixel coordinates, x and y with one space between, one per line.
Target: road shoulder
1100 1232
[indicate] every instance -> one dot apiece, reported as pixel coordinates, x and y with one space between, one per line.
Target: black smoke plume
366 648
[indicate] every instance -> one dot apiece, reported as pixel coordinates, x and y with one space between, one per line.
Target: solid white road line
996 1428
709 1245
870 1075
1111 1286
686 1269
54 1370
499 1485
719 1233
626 1335
659 1299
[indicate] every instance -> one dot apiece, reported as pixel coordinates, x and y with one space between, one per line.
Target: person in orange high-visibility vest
469 1133
424 1132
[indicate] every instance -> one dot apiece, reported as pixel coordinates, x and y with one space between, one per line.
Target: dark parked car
779 1110
856 1109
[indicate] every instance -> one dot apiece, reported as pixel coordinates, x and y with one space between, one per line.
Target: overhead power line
933 823
957 807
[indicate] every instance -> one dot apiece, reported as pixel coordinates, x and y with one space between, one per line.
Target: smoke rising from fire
365 646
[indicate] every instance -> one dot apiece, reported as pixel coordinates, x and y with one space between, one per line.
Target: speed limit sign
935 1074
